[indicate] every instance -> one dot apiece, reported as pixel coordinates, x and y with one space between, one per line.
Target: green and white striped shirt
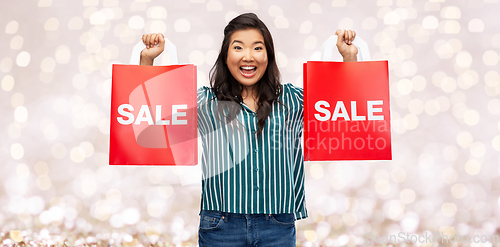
249 174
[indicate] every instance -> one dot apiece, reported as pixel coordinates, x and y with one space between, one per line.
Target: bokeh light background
55 72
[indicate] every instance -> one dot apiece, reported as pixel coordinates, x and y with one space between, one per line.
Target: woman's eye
237 48
258 48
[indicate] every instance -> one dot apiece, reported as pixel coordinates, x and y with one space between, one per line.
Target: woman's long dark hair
225 86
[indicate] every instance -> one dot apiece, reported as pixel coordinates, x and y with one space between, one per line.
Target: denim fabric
229 229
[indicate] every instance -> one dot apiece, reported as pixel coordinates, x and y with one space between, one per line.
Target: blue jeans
229 229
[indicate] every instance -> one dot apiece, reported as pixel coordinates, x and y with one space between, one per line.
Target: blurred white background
55 72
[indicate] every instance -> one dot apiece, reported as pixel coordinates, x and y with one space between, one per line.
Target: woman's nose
247 56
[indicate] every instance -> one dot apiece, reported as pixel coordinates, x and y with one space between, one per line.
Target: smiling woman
251 127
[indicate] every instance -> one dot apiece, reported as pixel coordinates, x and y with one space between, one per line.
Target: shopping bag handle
135 58
326 51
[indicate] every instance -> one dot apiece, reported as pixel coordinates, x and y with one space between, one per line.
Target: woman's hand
155 44
345 46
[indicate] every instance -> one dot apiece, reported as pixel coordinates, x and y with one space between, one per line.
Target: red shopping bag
153 115
346 111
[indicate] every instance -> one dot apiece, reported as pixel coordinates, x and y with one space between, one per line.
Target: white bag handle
363 53
135 58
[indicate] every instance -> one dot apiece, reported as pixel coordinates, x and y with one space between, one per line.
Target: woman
251 125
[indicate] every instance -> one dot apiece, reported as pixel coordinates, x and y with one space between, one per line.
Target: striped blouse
249 174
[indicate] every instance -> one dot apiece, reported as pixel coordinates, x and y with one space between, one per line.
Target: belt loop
225 216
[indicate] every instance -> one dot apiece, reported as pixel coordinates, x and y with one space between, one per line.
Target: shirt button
256 187
256 169
256 150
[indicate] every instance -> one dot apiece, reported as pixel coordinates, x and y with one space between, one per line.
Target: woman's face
247 56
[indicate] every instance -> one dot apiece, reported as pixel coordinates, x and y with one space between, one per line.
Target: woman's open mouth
248 71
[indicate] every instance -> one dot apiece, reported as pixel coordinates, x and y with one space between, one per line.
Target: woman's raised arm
155 44
345 46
